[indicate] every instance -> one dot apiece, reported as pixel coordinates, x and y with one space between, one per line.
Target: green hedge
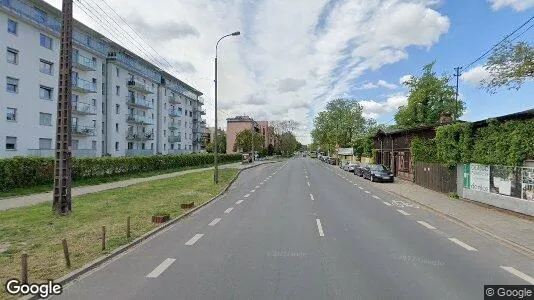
32 171
424 150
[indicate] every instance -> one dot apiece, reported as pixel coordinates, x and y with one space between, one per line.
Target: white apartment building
122 105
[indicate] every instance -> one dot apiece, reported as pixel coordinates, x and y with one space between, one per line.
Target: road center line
194 239
311 196
246 196
319 227
426 224
387 203
308 183
403 212
162 267
239 201
215 221
376 197
228 210
462 244
518 274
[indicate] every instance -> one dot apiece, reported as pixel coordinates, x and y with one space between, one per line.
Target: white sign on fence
480 177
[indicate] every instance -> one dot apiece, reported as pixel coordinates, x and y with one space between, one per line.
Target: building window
191 114
164 119
117 90
186 112
103 125
164 133
46 41
164 146
45 93
45 67
11 114
143 146
45 119
11 143
94 102
116 127
117 71
93 145
117 109
152 146
94 123
130 145
45 144
12 85
172 146
116 146
12 56
103 69
103 89
11 26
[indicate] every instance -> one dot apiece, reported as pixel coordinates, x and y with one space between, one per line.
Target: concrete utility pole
457 74
62 203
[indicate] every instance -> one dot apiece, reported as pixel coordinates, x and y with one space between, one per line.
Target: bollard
128 228
103 238
66 253
24 268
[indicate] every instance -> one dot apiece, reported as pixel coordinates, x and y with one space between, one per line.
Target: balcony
139 119
80 130
174 125
174 113
141 87
202 112
139 152
81 108
51 152
83 63
174 100
139 136
133 101
175 138
83 86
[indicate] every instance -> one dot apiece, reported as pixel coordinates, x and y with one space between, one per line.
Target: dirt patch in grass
37 231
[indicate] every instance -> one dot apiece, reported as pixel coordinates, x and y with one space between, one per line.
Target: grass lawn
39 232
84 182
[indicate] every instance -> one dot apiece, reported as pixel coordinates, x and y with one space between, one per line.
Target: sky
293 56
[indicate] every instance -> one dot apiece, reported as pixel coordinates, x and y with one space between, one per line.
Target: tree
270 149
288 144
222 143
509 65
243 141
429 98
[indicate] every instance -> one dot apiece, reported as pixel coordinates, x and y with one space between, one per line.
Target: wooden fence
435 177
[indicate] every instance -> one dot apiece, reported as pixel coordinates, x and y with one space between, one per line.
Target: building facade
122 105
240 123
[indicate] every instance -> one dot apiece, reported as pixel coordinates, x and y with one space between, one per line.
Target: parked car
377 173
349 167
358 170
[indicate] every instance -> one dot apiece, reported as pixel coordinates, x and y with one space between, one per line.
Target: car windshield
378 168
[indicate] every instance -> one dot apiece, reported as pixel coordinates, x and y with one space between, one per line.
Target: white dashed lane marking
252 191
257 186
246 196
161 268
403 212
367 192
319 227
194 239
426 224
518 274
311 196
360 188
387 203
228 210
215 221
239 202
308 183
462 244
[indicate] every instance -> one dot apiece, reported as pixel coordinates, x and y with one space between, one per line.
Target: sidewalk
507 227
78 191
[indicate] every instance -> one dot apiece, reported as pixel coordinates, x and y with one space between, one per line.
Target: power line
519 35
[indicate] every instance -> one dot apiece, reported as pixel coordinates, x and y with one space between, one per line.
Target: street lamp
216 156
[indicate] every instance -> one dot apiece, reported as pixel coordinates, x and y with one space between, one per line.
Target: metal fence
435 177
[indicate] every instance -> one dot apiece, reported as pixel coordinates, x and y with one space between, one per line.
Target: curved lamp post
216 148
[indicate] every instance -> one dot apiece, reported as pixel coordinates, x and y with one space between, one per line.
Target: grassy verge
37 231
85 182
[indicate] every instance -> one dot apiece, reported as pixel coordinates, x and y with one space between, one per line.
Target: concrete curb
101 260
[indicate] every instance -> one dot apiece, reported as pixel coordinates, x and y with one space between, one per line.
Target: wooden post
128 228
103 238
24 268
66 253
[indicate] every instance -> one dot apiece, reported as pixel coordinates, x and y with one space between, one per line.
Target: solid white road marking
387 203
194 239
228 210
311 196
319 227
308 183
239 201
426 224
518 274
252 191
376 197
162 267
403 212
215 221
367 192
360 188
246 196
462 244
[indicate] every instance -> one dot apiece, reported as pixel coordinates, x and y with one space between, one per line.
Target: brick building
237 124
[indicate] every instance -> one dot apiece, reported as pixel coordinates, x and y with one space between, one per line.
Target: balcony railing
83 108
139 136
139 119
141 87
51 152
83 130
32 14
139 152
175 139
139 103
174 99
83 63
83 86
174 125
174 113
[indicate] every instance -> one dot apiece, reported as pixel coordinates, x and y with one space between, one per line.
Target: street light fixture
216 150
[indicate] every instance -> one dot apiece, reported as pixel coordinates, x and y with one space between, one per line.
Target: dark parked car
377 173
358 170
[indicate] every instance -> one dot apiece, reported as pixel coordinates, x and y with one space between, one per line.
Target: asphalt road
306 230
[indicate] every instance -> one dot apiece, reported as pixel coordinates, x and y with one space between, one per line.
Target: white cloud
374 109
405 79
475 75
518 5
379 83
324 51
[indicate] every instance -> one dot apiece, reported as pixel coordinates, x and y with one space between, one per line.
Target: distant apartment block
122 105
240 123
